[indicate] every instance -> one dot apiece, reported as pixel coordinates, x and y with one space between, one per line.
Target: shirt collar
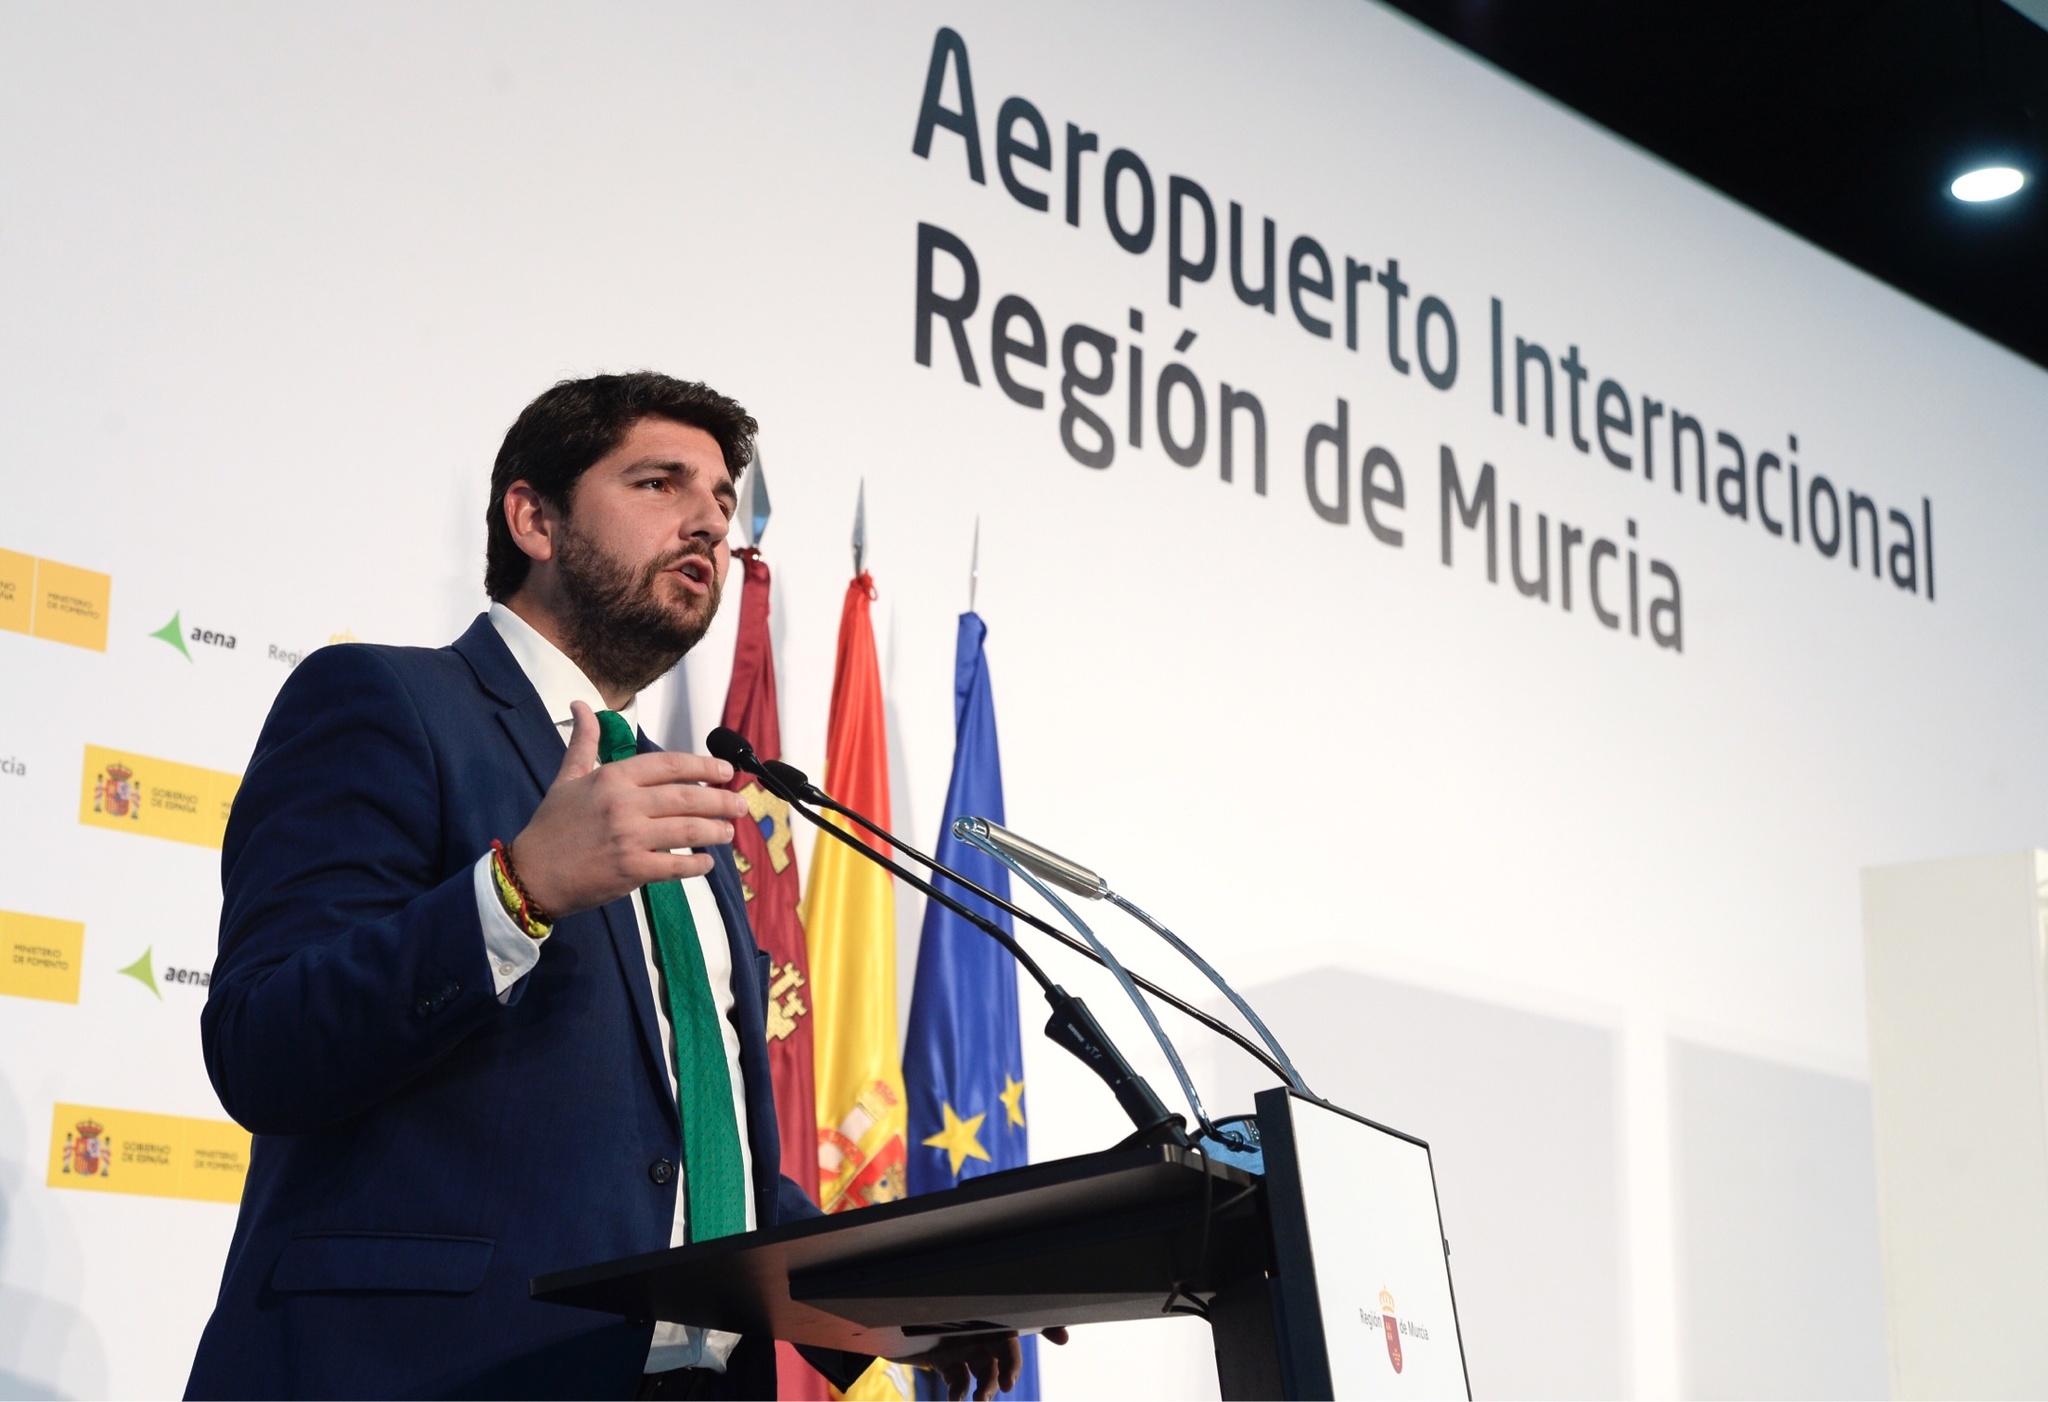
558 680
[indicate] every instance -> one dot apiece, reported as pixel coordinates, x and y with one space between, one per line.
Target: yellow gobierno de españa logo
60 602
158 1156
155 797
40 957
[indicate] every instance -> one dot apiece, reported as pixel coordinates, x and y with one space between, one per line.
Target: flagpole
860 530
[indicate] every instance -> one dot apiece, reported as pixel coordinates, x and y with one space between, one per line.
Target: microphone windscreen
789 774
732 747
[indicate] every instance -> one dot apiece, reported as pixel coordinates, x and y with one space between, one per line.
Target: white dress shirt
513 956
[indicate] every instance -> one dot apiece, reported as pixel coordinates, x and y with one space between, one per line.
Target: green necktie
712 1174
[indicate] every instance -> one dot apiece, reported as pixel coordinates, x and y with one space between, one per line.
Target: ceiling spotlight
1987 183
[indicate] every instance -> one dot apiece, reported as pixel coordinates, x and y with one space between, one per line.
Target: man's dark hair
562 434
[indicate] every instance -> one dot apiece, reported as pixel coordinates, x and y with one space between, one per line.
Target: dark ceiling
1842 120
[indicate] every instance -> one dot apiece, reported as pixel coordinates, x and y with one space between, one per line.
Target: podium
1128 1233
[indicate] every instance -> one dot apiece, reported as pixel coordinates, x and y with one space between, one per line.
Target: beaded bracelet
512 895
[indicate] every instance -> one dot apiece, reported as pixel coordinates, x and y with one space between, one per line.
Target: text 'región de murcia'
1173 404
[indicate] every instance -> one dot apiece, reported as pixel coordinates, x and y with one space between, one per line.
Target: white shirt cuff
511 952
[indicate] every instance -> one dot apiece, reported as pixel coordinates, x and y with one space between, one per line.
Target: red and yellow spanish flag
849 917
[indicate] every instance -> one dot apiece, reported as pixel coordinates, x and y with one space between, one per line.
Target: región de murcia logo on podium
1396 1327
87 1150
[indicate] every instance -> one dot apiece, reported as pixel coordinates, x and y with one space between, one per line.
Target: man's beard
616 625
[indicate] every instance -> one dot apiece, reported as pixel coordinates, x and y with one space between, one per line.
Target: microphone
1050 865
734 749
794 778
1071 1026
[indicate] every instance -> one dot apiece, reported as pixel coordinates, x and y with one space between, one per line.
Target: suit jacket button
451 990
661 1170
423 1007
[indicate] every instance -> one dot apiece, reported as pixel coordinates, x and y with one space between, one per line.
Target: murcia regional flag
766 856
850 918
963 1061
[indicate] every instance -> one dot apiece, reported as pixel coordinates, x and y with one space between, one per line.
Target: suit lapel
539 744
525 720
624 924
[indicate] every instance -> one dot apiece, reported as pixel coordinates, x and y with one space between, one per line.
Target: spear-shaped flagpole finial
754 508
860 530
974 567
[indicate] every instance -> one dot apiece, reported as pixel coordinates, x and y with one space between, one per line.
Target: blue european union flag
963 1062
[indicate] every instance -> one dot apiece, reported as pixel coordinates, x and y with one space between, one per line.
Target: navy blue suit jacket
422 1150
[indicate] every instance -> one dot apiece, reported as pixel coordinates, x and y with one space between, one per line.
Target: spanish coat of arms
88 1151
116 794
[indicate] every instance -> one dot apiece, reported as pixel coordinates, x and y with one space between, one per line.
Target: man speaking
486 993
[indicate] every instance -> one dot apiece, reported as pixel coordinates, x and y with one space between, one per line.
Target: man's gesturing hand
986 1364
605 830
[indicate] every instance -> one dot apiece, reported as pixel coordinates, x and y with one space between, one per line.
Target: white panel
1956 1046
1780 1289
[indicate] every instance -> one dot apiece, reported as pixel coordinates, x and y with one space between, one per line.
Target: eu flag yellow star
1013 1099
957 1139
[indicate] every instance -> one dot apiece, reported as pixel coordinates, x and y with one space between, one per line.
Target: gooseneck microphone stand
1186 951
1071 1026
1019 853
793 781
964 830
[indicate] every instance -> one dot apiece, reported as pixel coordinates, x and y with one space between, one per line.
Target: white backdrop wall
278 278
